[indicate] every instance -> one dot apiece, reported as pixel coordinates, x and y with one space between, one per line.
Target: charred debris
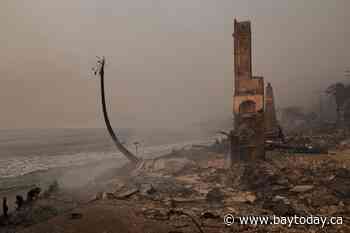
258 168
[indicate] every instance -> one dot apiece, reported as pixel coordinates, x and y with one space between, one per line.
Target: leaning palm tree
99 70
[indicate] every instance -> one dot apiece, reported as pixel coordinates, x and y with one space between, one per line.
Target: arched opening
248 106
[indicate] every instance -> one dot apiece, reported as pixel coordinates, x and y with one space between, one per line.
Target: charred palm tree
99 70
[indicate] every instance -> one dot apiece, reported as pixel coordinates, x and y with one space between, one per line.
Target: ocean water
31 150
73 157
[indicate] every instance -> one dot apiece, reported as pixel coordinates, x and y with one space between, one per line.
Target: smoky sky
169 63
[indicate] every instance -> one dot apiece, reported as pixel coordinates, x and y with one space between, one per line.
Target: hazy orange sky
169 62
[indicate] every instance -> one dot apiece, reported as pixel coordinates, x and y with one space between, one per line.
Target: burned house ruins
253 109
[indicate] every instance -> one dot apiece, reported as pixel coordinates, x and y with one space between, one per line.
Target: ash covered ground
191 190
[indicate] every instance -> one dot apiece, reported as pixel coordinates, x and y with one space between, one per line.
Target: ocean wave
21 165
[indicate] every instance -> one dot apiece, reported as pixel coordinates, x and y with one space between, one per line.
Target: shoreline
76 176
75 158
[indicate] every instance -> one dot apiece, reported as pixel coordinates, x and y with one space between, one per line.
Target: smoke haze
169 63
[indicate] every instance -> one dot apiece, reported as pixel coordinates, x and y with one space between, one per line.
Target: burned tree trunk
130 156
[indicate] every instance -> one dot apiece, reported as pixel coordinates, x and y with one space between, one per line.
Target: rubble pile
310 143
335 139
204 192
343 145
193 193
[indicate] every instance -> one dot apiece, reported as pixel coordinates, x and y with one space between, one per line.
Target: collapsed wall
273 130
